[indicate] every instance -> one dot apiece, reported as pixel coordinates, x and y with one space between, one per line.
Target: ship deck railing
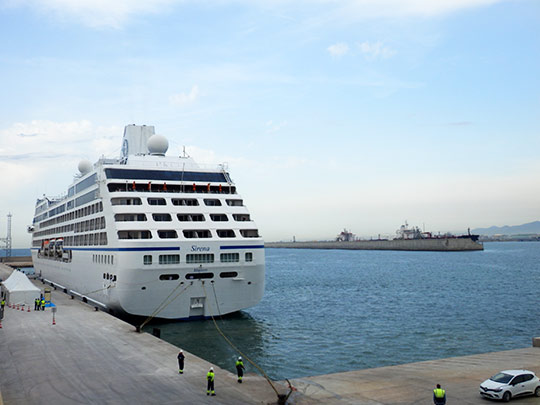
171 188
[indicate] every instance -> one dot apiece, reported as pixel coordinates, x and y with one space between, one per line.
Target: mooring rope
163 304
236 348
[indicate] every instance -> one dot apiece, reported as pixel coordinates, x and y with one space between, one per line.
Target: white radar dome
85 166
157 145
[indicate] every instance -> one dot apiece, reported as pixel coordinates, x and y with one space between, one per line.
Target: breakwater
17 261
434 245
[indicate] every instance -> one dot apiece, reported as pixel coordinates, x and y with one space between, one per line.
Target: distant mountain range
531 227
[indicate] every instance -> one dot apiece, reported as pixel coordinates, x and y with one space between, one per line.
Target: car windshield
501 378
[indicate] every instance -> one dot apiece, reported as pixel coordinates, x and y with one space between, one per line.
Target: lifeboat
59 247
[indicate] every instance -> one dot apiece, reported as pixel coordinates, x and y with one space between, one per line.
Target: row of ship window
209 202
78 213
171 188
198 258
99 223
98 207
196 217
90 239
100 238
188 234
83 226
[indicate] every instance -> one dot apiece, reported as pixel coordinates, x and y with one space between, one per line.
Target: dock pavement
91 357
413 383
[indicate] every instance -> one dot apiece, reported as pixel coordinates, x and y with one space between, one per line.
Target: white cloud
40 140
375 50
96 13
272 126
338 49
41 157
185 98
116 13
396 8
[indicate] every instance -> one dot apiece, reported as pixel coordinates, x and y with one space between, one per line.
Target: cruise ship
151 235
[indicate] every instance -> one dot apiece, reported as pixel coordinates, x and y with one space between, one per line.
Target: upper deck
134 196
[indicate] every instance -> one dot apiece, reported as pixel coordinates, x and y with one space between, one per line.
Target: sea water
328 311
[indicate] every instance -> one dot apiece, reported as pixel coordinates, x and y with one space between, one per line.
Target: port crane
7 240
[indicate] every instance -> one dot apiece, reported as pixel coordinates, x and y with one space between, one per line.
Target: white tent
19 290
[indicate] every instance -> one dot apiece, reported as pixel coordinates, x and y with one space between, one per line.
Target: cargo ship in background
407 238
146 234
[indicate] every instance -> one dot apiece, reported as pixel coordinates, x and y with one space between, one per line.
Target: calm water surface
327 311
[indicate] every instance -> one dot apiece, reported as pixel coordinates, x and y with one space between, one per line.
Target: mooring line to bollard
162 306
280 396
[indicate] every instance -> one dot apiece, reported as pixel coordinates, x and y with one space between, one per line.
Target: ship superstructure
151 235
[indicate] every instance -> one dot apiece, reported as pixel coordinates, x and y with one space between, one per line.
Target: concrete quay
413 383
17 261
91 357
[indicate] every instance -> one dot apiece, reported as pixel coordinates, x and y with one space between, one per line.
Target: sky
330 114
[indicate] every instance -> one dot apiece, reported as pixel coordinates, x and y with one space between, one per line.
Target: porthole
169 277
198 276
228 274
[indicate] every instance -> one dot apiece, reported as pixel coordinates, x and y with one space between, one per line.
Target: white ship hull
149 235
170 299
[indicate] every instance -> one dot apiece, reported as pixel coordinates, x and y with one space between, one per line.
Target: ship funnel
136 139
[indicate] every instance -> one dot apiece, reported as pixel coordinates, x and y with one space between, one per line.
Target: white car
509 384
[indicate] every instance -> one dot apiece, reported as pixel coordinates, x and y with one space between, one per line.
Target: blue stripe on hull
135 249
148 249
242 247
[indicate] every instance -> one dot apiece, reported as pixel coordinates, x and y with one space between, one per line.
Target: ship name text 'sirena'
151 235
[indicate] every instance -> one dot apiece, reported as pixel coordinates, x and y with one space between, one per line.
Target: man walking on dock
181 362
439 395
210 379
36 304
240 369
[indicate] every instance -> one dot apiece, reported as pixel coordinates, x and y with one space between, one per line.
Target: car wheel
537 391
507 396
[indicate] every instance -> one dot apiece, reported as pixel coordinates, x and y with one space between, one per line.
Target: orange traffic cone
0 324
28 308
53 321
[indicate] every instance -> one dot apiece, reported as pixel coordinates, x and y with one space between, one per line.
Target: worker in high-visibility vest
181 362
43 305
210 378
240 369
439 395
2 304
37 304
